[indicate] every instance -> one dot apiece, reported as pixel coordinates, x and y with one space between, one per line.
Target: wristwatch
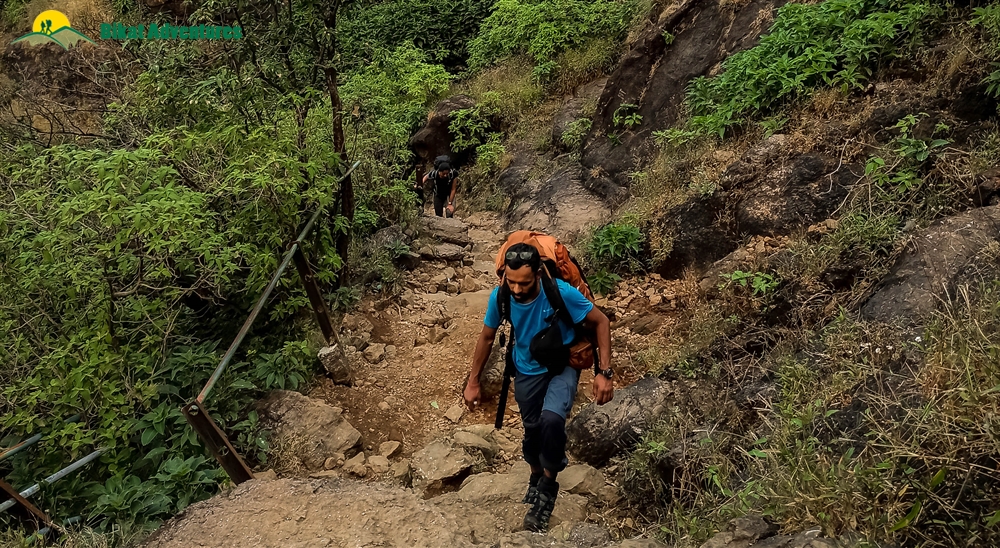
608 373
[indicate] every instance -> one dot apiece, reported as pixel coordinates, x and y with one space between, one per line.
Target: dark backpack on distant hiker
442 187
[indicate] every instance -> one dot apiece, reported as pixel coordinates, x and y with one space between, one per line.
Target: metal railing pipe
53 478
11 451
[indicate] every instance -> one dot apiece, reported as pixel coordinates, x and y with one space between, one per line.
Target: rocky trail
382 452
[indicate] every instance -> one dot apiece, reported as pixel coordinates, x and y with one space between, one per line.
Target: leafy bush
471 127
575 132
543 29
616 246
124 270
832 43
440 28
603 282
988 19
760 283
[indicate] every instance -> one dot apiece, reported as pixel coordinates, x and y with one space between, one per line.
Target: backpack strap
552 293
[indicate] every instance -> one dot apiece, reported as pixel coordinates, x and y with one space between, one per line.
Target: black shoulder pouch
547 345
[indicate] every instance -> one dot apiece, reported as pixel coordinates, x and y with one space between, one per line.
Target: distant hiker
547 317
444 179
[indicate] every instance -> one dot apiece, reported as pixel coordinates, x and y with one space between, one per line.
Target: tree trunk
340 147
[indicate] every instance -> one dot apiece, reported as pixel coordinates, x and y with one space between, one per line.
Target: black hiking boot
529 497
537 519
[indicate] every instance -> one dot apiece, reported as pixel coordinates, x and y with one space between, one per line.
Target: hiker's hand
451 209
604 389
472 395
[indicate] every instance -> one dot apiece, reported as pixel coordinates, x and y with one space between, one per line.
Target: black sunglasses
523 255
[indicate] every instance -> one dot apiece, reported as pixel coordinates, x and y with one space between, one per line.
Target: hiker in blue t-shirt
545 397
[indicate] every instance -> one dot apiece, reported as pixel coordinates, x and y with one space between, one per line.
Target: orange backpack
558 263
555 257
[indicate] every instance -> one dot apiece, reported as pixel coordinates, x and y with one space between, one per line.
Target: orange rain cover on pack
551 250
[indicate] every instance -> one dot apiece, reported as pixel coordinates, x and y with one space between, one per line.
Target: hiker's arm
454 188
599 324
483 348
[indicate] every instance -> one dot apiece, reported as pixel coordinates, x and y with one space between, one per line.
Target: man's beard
525 297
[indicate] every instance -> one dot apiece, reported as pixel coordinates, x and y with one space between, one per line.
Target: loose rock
317 429
374 353
389 448
378 464
455 413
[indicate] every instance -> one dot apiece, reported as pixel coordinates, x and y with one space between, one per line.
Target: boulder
454 413
374 352
491 379
312 428
356 465
581 535
434 139
470 441
962 250
444 229
378 464
407 261
389 448
598 433
337 365
698 232
438 464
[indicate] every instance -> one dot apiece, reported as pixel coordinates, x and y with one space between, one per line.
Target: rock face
600 432
312 428
558 204
654 76
805 190
434 139
573 108
697 239
954 252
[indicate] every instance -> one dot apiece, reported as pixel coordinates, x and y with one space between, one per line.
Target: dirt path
417 352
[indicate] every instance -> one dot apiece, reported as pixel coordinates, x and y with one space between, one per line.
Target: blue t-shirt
529 319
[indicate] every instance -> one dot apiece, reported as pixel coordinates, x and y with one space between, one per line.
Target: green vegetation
613 247
838 43
544 29
575 132
987 18
440 28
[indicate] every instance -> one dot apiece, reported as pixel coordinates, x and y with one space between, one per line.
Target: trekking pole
508 372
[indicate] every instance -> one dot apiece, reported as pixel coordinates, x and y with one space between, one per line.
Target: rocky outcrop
575 108
600 432
963 250
434 139
311 429
798 192
655 75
